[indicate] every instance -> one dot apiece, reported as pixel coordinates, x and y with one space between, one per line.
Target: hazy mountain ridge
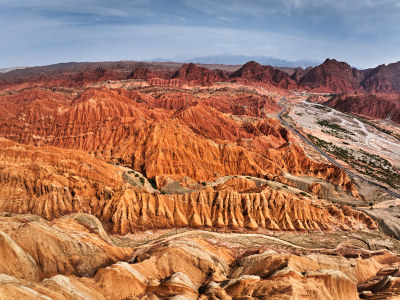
231 59
234 59
5 70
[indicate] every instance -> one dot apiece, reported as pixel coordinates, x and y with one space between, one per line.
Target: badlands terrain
131 180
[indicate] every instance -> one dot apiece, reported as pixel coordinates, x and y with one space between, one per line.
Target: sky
364 33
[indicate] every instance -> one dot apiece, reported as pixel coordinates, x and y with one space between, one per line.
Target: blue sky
39 32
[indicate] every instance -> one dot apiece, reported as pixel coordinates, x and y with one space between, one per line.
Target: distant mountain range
232 59
5 70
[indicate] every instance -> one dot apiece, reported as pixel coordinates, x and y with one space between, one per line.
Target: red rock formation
194 75
317 99
188 74
239 184
299 73
146 74
370 106
174 101
125 127
339 77
210 123
199 267
332 76
240 103
191 135
382 79
52 182
255 72
76 74
65 246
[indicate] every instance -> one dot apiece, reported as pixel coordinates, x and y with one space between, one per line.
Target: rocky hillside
196 137
338 77
380 106
52 182
74 258
134 180
331 76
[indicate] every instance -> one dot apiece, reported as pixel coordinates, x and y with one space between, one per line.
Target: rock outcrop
194 75
135 130
338 77
188 267
382 79
332 76
378 106
52 182
254 72
131 180
35 249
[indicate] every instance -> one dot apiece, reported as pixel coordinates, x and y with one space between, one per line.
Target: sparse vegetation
324 108
377 127
368 164
333 126
340 153
142 181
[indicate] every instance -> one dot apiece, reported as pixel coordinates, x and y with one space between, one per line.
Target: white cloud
44 31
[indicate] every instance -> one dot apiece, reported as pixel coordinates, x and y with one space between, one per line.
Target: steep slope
332 76
127 127
338 77
210 122
254 72
239 103
188 74
195 75
382 79
76 75
52 182
76 245
32 103
196 265
299 73
146 74
371 106
92 123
